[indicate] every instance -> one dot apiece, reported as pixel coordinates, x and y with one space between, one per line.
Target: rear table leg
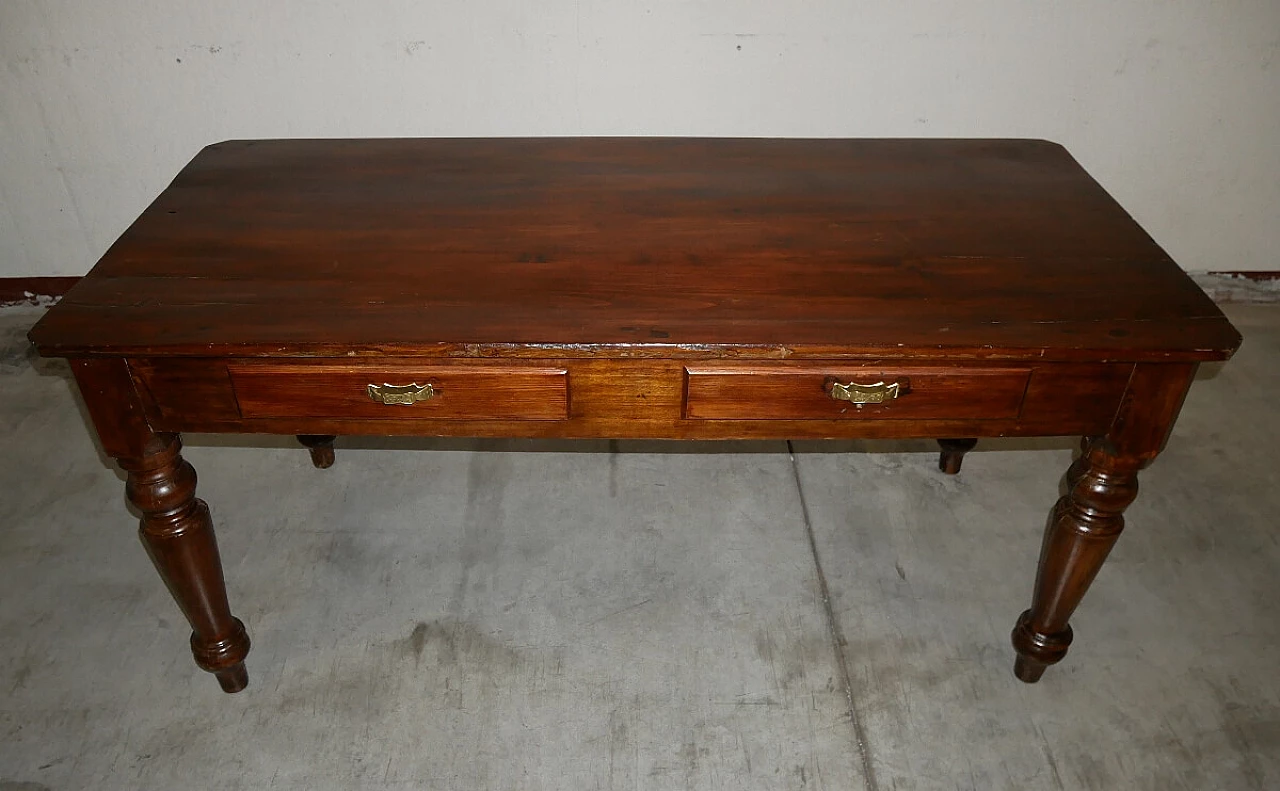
953 451
321 447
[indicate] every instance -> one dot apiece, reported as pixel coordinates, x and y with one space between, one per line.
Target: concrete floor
501 615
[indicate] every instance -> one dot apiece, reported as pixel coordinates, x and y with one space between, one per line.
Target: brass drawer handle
407 395
876 393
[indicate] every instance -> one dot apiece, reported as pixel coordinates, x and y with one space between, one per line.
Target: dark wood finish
474 392
628 399
606 247
114 406
953 451
1086 522
15 290
620 288
786 392
175 526
321 447
178 534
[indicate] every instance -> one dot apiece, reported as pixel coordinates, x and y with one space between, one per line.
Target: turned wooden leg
1088 519
321 446
1081 463
178 534
1082 529
953 451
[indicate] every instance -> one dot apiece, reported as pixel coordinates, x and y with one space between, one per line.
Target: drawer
401 392
852 392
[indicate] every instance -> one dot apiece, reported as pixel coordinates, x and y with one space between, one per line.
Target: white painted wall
1173 106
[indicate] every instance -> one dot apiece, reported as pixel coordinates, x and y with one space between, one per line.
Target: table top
637 247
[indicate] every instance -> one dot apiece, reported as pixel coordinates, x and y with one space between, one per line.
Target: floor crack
837 637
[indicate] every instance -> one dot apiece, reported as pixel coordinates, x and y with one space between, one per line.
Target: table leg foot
233 679
1083 527
321 447
1028 670
178 534
953 451
1036 651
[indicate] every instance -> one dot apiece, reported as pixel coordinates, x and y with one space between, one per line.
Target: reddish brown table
627 288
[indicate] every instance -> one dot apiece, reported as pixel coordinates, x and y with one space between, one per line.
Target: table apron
642 399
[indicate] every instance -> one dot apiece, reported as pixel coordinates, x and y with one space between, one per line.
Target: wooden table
628 288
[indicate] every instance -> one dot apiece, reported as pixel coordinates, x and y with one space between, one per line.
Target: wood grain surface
781 391
627 288
623 399
476 392
637 247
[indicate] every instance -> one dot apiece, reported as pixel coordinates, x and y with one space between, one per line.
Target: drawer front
480 392
853 393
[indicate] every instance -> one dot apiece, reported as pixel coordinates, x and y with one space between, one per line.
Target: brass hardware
876 393
400 394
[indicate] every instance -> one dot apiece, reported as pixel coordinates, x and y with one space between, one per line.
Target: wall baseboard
1263 275
1239 286
34 290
